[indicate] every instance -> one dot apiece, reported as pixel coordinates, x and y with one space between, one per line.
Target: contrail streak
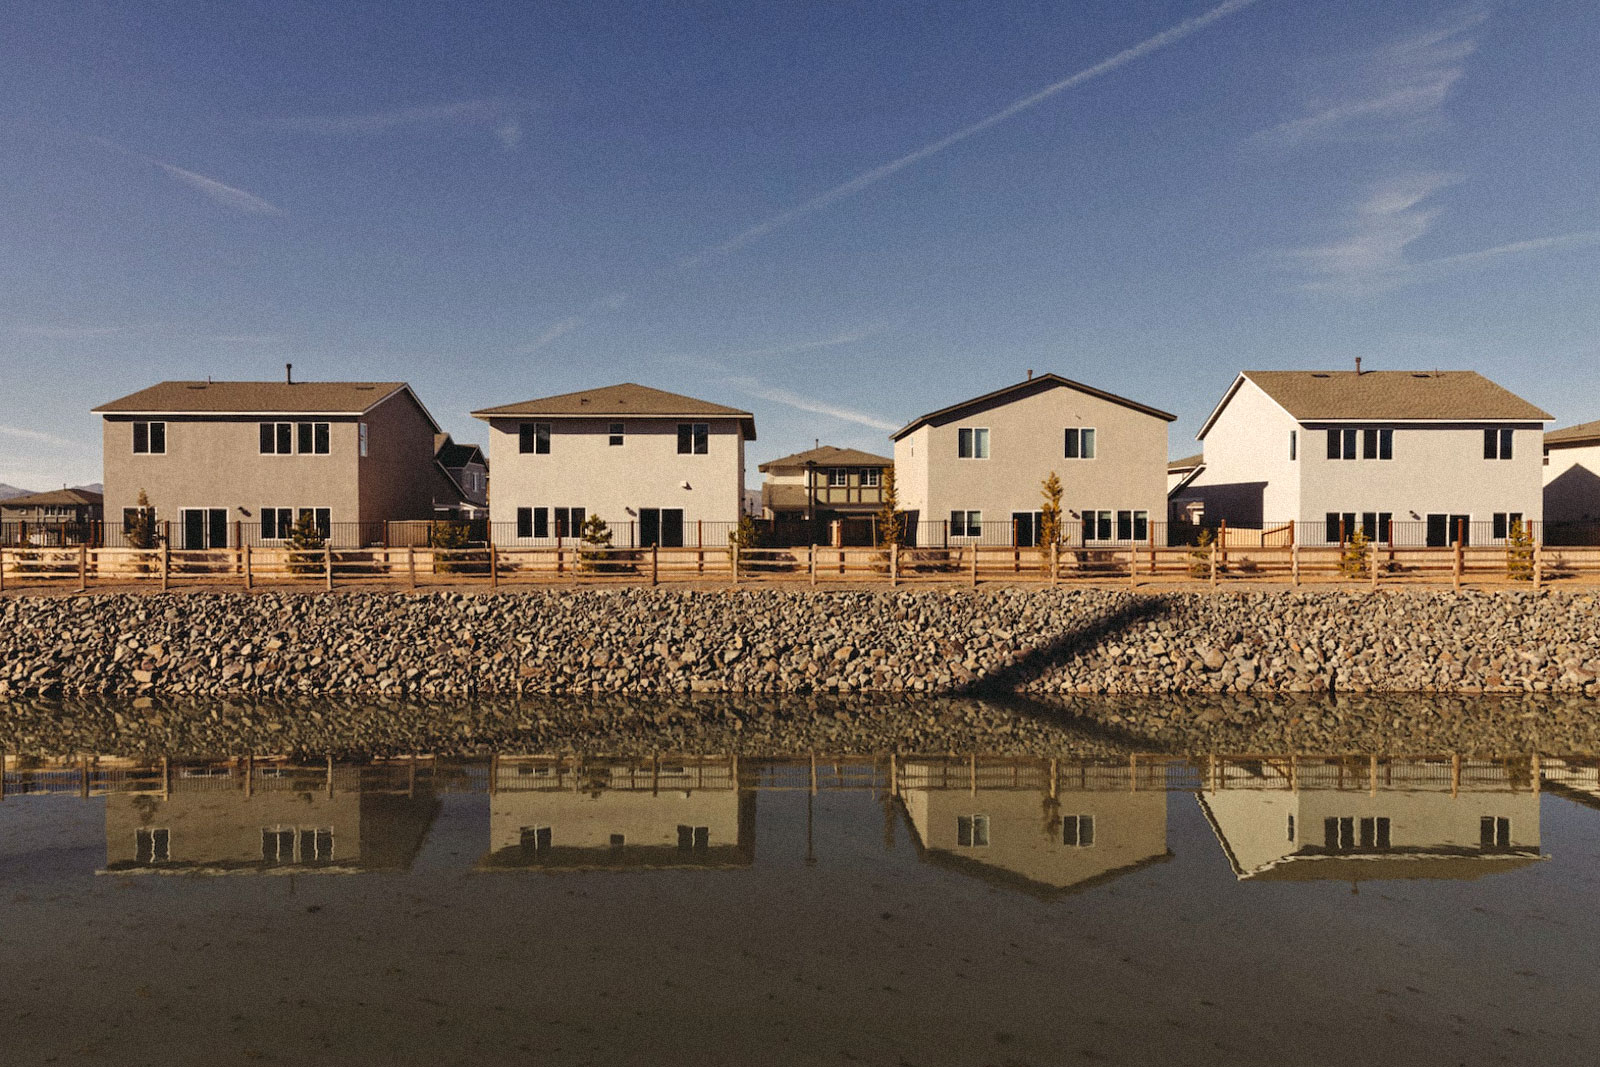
878 174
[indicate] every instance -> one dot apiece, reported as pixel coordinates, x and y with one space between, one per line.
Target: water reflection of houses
1353 819
559 814
263 817
1042 826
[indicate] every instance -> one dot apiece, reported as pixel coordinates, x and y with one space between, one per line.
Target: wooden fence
83 568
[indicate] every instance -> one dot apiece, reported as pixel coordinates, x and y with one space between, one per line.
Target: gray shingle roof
1582 434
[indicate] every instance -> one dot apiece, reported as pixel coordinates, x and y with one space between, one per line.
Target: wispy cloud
39 437
224 194
502 117
869 178
1372 256
559 330
1396 89
775 395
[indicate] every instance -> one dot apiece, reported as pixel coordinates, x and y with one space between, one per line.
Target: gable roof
1022 389
1187 463
450 454
1585 433
1385 395
260 398
829 456
54 498
625 400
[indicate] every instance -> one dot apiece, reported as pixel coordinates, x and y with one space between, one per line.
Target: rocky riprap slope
642 640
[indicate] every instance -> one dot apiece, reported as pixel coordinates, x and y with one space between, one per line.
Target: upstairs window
972 831
150 438
534 438
1294 445
361 437
1342 444
284 438
837 477
615 434
1077 831
1494 832
1497 444
694 438
1080 443
152 846
1377 443
972 442
872 477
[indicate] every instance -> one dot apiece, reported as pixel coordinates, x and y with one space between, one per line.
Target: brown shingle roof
54 498
1392 395
1027 388
254 398
829 456
1187 463
625 400
455 456
1582 434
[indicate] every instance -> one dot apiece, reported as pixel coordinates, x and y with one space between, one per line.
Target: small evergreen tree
1353 560
452 536
744 536
1519 552
594 544
891 520
1049 518
305 542
1200 557
142 532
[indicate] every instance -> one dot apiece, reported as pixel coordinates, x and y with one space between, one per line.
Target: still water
725 909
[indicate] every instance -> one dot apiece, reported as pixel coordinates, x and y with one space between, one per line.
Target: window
694 438
131 519
150 438
1446 530
1494 832
321 518
1077 831
535 839
1377 443
1376 525
277 438
1496 444
524 522
361 439
534 437
276 523
1342 444
1291 828
618 840
694 838
1080 443
616 434
1294 446
569 521
1339 527
972 831
1504 521
1096 525
1341 834
966 524
535 522
838 476
152 846
972 442
872 477
1133 525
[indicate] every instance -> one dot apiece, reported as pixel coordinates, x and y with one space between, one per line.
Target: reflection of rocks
787 640
1352 820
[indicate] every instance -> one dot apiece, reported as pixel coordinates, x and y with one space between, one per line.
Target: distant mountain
92 487
9 491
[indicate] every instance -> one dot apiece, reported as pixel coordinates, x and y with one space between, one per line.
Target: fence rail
414 567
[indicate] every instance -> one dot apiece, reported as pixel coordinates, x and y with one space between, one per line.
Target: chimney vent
1358 365
288 373
1030 374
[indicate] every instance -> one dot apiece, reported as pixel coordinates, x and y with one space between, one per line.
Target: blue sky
836 215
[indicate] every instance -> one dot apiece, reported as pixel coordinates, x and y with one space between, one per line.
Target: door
671 527
1444 529
205 528
650 527
1025 525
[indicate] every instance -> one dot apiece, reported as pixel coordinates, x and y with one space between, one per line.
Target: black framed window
150 438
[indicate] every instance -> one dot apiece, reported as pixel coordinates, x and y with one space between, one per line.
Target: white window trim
988 443
148 451
1080 457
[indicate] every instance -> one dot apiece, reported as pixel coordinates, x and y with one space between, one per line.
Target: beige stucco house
659 468
1572 481
221 461
974 470
1418 457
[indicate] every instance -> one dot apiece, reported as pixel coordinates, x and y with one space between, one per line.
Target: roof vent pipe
1030 374
1358 365
288 373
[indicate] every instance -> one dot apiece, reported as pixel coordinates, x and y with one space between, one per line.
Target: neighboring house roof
1026 388
449 454
260 398
447 492
1187 463
1455 865
627 400
1585 433
1385 395
790 497
55 498
829 456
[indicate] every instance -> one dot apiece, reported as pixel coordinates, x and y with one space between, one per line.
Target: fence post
811 562
2 589
83 568
1538 563
1055 562
249 577
494 567
1457 568
974 547
1222 542
166 562
1294 562
733 560
1373 548
700 546
1214 554
1133 566
655 565
894 564
411 564
327 563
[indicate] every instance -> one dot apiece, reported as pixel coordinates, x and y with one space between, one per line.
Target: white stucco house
973 471
1412 457
659 468
1572 479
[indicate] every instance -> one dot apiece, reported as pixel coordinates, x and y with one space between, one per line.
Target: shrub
452 537
594 543
1353 560
1049 516
891 520
305 545
1519 552
1200 557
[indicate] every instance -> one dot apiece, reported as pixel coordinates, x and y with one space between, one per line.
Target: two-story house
1408 457
58 516
974 470
810 490
463 486
659 468
221 461
1571 483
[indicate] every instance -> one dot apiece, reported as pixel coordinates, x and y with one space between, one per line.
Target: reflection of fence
1132 565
